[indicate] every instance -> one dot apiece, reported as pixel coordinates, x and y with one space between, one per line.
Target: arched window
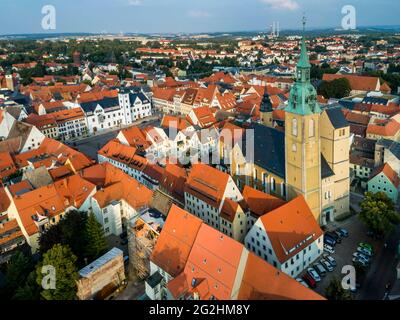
294 127
273 184
311 128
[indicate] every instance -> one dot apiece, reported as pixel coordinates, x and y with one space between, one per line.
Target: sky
188 16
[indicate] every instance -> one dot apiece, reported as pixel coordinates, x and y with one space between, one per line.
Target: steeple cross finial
304 21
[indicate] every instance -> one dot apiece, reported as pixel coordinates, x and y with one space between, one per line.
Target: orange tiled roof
387 170
204 116
124 154
41 122
387 129
176 240
259 202
360 83
68 115
4 201
173 181
207 184
60 172
7 165
23 185
136 138
288 226
174 122
51 200
116 185
358 118
229 209
227 101
278 114
96 96
214 260
272 285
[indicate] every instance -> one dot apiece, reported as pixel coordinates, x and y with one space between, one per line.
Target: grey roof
375 100
347 104
154 279
140 95
105 103
97 264
171 133
269 149
326 170
392 146
337 118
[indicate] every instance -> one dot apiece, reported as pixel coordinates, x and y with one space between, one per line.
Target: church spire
303 96
304 62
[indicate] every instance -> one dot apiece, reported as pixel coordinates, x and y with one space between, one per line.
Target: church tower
302 138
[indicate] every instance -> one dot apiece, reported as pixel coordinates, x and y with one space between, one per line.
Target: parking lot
344 253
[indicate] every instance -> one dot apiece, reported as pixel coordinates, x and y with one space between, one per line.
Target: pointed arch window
273 184
294 127
311 128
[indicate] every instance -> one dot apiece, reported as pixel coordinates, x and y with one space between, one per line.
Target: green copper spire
303 96
304 62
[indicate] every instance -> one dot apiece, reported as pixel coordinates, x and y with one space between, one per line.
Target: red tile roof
261 281
260 203
176 241
288 226
207 183
387 170
359 83
386 129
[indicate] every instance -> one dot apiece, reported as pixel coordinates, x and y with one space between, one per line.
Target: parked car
310 281
365 252
329 249
343 232
314 274
360 256
326 265
338 234
363 263
320 269
329 241
366 246
302 282
334 236
331 260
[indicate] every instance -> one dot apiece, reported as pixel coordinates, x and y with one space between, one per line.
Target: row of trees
75 241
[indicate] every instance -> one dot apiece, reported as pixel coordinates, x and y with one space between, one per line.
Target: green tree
28 290
66 273
337 88
69 231
96 240
378 213
50 238
17 271
335 291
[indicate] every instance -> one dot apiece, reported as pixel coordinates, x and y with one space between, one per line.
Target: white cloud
198 14
282 4
134 2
